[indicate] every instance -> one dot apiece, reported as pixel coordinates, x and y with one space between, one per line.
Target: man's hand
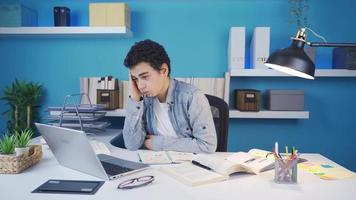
148 142
134 92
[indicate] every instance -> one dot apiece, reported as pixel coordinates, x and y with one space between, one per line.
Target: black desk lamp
294 61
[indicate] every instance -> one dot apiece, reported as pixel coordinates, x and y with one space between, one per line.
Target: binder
236 48
260 45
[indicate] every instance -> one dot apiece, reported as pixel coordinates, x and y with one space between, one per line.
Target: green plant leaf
21 94
23 138
7 144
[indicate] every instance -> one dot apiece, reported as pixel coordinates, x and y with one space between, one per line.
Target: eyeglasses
136 182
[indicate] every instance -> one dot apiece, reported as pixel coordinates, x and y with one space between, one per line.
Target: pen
287 154
200 165
250 160
276 148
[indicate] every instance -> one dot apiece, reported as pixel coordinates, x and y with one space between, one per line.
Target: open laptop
72 149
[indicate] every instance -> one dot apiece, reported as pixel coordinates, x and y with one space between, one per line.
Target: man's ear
164 69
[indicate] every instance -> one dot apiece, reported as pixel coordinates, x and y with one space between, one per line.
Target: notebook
164 157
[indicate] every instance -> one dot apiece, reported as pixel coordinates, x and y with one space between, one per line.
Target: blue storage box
14 15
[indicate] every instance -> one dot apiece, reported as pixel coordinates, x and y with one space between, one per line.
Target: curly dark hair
147 51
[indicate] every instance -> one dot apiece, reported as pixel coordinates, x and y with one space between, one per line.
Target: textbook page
261 153
221 166
192 175
252 163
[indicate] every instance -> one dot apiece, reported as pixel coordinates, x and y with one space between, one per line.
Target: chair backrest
220 111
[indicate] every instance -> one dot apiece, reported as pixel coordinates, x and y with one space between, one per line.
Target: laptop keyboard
112 169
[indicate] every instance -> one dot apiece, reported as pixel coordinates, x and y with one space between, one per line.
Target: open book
206 168
164 157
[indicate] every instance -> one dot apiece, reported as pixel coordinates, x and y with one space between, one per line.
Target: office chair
118 141
220 111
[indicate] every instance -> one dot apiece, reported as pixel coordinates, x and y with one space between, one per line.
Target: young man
163 113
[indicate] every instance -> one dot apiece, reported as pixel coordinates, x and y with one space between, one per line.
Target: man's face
149 81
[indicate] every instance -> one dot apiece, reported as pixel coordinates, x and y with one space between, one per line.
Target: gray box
286 100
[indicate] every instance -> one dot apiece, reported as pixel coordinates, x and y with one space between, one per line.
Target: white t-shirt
164 125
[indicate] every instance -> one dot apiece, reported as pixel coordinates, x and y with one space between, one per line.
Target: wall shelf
239 114
71 31
270 114
274 73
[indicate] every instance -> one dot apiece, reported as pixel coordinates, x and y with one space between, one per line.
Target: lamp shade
292 60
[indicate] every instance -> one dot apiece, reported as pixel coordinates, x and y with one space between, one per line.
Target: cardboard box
108 97
109 14
15 15
247 100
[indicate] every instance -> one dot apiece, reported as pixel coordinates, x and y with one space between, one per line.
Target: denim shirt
190 115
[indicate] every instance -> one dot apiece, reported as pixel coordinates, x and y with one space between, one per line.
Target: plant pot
7 155
21 150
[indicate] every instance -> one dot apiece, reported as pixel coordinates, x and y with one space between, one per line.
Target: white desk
239 186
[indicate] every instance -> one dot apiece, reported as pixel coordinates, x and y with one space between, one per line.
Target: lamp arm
323 44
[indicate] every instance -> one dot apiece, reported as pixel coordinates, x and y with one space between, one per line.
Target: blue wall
195 34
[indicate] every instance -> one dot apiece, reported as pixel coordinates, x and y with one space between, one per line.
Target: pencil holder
285 170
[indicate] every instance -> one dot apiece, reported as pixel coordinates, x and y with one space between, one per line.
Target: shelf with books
70 31
267 114
274 73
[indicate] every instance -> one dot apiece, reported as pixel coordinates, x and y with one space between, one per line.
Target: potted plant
22 140
7 145
299 13
22 99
